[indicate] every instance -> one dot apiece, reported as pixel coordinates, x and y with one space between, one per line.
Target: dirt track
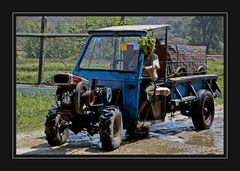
175 136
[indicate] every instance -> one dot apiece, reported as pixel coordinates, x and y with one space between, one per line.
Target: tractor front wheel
111 128
56 132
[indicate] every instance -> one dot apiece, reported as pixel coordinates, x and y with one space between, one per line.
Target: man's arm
156 62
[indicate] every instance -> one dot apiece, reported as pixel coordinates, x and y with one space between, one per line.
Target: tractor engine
80 103
73 92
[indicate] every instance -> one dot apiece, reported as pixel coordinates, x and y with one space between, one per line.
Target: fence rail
215 56
49 35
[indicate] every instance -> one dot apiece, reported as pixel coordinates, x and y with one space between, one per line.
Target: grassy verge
217 67
31 111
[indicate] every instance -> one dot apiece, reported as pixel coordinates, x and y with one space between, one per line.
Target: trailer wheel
56 134
203 118
111 128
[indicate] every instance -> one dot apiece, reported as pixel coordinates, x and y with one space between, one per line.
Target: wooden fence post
41 53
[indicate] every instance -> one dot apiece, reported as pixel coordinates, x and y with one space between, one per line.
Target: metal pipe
165 77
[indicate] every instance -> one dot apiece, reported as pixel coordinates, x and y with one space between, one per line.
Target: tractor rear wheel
111 128
56 132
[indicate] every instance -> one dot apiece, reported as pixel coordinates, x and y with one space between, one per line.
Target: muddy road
175 136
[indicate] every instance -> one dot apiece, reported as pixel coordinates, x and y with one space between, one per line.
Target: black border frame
225 14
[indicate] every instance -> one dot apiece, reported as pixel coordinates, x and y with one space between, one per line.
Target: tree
180 30
61 47
29 25
207 31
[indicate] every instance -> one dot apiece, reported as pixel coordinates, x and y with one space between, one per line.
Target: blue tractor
104 92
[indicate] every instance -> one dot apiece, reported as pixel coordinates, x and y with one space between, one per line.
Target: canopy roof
132 28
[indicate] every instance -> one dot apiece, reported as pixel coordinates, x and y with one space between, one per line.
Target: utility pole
41 53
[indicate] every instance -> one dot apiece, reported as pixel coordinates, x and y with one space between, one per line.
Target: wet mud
175 136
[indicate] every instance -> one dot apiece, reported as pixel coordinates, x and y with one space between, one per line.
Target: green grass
31 111
97 65
27 69
217 67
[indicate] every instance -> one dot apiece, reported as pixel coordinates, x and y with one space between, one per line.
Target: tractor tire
203 117
111 128
55 134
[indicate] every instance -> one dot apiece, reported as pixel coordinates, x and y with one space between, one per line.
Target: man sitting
149 74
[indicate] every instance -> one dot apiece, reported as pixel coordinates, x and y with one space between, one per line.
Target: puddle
82 138
181 129
178 129
169 129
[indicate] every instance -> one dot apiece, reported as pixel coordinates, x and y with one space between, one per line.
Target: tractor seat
162 91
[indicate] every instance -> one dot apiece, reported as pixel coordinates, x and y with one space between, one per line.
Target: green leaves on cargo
147 42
